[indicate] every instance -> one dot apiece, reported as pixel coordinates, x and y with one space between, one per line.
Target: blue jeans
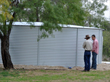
94 61
87 55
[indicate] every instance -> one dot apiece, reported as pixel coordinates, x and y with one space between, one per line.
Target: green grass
53 76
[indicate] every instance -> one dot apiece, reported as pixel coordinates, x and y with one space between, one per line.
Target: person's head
87 37
93 37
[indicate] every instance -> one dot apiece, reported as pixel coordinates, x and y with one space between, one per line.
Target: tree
4 13
106 43
50 12
95 10
106 39
106 25
5 32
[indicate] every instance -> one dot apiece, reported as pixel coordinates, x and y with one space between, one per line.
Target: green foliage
5 16
4 11
106 25
106 43
95 10
54 12
51 13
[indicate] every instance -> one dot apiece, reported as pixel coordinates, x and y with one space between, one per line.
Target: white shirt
87 45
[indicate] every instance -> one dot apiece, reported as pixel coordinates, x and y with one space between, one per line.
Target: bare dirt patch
38 67
101 67
77 68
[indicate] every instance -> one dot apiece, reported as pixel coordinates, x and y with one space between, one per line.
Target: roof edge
38 24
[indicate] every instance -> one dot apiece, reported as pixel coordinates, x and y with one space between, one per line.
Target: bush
106 43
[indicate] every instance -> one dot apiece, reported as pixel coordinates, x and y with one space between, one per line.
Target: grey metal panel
80 50
100 47
38 24
23 45
58 51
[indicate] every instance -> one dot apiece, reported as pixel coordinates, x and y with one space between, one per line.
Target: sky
107 13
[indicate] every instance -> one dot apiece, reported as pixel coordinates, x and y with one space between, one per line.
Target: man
95 51
87 45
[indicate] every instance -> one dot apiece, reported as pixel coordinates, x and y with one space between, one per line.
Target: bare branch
15 2
1 35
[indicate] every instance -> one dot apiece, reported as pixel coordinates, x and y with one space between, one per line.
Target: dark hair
93 35
88 38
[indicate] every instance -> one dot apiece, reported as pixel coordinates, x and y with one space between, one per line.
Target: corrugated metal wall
65 49
58 51
23 45
100 46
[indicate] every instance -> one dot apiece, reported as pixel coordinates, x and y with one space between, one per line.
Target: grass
53 76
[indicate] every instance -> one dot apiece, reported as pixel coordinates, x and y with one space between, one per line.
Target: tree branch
10 24
1 27
1 35
14 3
37 14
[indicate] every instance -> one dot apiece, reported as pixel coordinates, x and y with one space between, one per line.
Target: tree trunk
7 63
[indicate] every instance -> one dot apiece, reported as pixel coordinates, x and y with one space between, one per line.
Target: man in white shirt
87 45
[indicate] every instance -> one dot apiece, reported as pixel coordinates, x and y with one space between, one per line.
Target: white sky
107 13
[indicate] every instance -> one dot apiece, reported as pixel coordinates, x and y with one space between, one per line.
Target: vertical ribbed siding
100 47
23 45
58 51
80 50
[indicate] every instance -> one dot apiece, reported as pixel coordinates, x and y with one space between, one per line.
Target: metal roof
38 24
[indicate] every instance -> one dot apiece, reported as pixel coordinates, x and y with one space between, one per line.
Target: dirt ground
101 67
